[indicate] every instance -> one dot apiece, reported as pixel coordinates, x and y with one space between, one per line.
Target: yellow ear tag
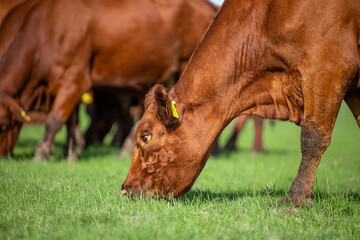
173 106
24 115
87 98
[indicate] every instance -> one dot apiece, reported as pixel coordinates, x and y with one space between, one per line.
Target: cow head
11 119
170 151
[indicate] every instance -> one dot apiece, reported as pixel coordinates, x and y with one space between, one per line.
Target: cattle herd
117 50
276 59
119 77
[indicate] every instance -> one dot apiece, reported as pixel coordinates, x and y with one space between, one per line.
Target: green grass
230 200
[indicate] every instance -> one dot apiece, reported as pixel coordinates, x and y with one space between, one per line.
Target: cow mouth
128 191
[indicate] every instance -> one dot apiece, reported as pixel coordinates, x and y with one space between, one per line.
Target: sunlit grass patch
234 197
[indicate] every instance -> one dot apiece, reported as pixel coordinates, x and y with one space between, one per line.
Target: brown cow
288 60
12 22
126 44
8 29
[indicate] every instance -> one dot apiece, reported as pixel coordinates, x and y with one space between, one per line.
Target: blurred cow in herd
289 60
126 45
8 29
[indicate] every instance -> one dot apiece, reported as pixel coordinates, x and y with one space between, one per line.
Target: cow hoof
230 147
72 158
42 153
216 152
289 211
72 155
256 150
297 202
41 158
127 150
38 158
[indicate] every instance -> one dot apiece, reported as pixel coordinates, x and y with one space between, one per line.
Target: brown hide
128 45
6 6
39 103
14 14
8 30
288 60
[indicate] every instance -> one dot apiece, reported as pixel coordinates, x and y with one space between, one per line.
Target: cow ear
167 109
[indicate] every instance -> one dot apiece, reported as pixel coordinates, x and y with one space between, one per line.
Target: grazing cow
130 45
12 22
289 60
8 29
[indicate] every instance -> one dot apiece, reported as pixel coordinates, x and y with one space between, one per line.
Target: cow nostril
124 192
127 190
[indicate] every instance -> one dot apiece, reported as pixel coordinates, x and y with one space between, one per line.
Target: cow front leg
75 140
43 148
320 112
258 128
66 99
314 142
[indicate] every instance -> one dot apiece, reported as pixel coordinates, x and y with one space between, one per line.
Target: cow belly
137 51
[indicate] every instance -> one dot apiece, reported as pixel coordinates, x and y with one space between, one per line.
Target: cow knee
313 141
53 124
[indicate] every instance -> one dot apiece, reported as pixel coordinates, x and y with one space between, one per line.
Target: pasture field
233 198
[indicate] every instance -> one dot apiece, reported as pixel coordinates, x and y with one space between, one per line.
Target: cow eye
145 138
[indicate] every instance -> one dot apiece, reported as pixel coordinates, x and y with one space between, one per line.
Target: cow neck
207 90
232 47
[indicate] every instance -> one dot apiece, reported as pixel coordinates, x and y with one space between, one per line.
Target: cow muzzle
127 191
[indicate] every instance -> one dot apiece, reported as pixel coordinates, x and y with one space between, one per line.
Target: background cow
101 51
14 15
288 60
